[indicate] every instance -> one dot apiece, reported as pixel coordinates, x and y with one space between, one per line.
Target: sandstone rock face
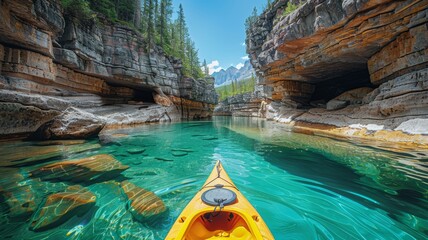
242 105
71 124
325 39
162 100
84 66
200 90
59 207
144 205
191 109
37 22
354 96
132 115
17 119
368 54
89 169
414 126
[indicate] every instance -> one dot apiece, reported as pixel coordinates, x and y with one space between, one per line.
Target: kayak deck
236 220
224 225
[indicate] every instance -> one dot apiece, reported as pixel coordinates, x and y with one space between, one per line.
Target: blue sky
217 28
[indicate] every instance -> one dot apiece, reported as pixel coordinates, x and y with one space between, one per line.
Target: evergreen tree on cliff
137 14
251 19
206 70
126 10
193 59
148 25
152 18
163 24
182 32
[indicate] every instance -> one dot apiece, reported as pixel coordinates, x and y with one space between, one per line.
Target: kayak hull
238 220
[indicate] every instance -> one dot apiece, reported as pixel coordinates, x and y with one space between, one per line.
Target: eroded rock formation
144 205
242 105
61 206
49 62
20 201
315 55
91 169
17 156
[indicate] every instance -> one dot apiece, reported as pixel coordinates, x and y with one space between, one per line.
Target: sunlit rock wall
91 66
326 48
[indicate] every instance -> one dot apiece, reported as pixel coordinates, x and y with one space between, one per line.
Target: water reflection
305 187
393 170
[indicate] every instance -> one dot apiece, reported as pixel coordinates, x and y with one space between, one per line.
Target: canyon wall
61 77
347 68
242 105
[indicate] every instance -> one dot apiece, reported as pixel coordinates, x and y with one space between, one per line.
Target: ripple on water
304 187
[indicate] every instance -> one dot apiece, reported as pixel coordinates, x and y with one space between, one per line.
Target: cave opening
144 95
331 88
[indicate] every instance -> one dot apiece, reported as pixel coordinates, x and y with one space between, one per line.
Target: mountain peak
224 77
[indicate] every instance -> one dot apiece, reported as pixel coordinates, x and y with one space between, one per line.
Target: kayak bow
219 211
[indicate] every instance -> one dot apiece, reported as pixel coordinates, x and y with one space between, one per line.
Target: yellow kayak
219 211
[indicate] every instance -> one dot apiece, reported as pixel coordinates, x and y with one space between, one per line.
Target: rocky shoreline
344 68
61 79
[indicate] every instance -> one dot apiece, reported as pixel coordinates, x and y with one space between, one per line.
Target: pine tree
251 19
137 13
125 10
165 13
144 17
206 70
181 32
155 10
147 26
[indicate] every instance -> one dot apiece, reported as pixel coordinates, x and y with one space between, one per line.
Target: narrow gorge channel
110 123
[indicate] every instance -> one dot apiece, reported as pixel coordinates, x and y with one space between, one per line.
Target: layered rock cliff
250 104
58 76
352 67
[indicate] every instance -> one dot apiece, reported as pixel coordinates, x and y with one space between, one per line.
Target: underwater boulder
61 206
95 168
20 200
144 205
25 155
135 150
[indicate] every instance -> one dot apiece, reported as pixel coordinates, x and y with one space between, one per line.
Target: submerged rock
210 138
164 159
59 142
179 153
19 198
93 168
29 155
59 207
144 205
135 150
182 150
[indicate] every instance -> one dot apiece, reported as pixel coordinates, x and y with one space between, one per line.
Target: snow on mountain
225 77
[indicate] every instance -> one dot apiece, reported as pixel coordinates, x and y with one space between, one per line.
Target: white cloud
245 58
239 65
243 44
214 66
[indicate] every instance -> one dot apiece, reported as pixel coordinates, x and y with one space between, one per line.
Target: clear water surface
305 187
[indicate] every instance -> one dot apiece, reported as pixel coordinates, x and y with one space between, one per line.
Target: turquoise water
305 187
